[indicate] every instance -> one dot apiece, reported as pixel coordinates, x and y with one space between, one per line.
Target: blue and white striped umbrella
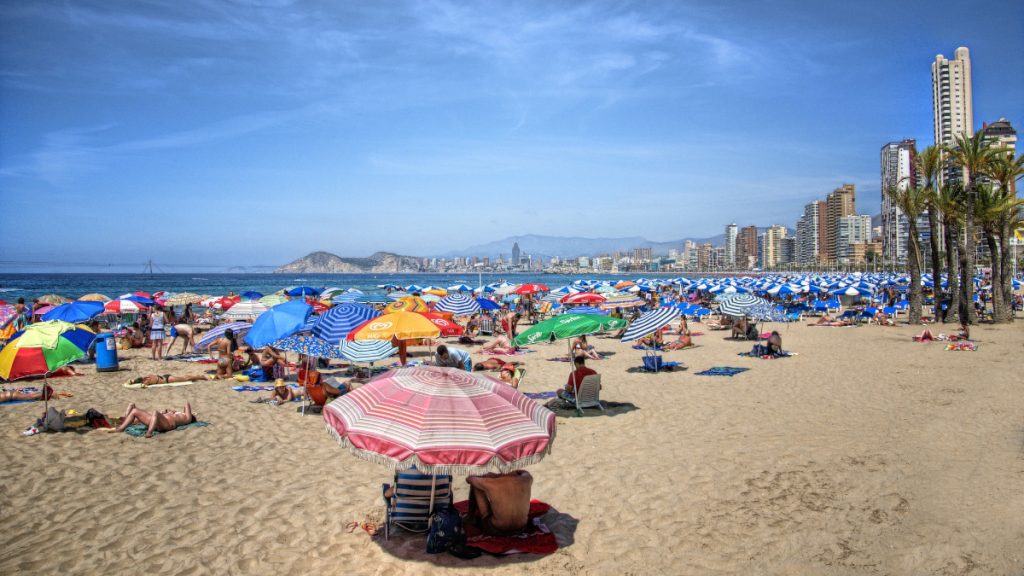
740 304
460 288
458 304
366 350
335 324
239 329
414 288
351 298
650 322
588 310
308 345
767 313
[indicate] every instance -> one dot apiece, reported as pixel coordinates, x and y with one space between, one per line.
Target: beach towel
266 388
768 356
722 371
540 395
140 386
139 430
535 539
961 346
199 358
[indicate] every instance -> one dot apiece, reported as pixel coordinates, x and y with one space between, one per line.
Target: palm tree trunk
933 230
914 263
1006 271
998 304
952 269
967 313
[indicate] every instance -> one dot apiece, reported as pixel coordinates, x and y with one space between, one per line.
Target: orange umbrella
397 325
407 304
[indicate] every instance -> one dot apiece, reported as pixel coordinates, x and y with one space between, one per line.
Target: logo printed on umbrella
379 326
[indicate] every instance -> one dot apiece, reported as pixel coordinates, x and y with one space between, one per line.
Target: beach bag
444 530
652 362
759 350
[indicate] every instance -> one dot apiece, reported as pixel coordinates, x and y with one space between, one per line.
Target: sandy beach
865 454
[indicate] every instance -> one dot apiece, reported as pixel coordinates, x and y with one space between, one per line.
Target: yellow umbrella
436 292
183 298
96 298
397 325
407 304
53 299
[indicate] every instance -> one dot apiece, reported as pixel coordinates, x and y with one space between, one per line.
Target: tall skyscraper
771 248
840 202
854 229
746 248
898 172
730 245
952 102
811 234
516 254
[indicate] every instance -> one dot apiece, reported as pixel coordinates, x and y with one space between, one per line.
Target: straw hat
279 383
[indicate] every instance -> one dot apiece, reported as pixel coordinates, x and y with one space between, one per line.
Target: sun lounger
409 506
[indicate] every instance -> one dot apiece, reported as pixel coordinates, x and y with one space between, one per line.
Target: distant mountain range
327 263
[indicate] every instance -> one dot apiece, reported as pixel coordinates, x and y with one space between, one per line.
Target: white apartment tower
730 245
952 101
897 173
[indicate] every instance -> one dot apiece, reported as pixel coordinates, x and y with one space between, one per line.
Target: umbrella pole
433 487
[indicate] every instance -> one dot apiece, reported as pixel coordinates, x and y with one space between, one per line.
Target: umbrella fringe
494 465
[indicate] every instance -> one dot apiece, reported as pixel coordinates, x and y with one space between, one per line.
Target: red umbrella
531 289
319 307
143 294
122 307
447 327
583 298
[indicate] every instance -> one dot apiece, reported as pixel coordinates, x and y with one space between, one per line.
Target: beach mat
133 386
769 356
722 371
565 409
536 538
540 395
139 430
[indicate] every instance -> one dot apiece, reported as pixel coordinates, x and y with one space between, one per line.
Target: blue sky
220 133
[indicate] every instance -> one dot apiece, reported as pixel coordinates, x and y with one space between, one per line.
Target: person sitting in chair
572 386
499 504
318 391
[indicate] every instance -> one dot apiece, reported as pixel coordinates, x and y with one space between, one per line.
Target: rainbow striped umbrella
42 348
443 421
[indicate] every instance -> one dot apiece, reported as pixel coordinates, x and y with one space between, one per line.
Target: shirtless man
183 331
158 420
269 358
500 503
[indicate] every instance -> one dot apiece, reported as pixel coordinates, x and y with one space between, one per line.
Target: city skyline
289 130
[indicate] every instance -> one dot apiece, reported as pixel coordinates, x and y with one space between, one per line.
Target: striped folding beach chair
409 505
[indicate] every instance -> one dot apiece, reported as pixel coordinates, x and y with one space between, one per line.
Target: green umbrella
568 326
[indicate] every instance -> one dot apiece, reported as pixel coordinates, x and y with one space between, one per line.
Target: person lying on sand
283 393
684 341
882 319
653 340
158 420
827 320
492 364
151 379
15 395
500 345
924 336
499 504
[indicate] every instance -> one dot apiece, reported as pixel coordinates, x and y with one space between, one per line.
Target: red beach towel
536 539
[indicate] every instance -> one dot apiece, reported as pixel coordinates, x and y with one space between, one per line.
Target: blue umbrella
650 322
279 322
308 345
251 295
460 288
336 323
350 298
75 312
366 350
486 304
304 291
139 299
458 304
588 310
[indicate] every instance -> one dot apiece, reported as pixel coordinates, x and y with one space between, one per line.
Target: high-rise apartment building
851 230
771 248
811 234
898 172
516 254
746 248
952 102
840 202
1001 134
730 245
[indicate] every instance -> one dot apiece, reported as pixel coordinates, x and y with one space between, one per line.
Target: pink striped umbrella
123 307
583 298
443 421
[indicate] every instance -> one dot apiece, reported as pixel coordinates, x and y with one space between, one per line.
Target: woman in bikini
157 420
507 375
153 379
18 395
580 347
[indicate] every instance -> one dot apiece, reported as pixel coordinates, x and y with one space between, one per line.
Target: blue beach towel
722 371
540 395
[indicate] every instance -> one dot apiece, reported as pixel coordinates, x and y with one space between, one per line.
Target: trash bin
106 353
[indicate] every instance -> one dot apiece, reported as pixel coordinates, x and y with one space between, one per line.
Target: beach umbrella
446 326
397 325
123 307
251 295
330 293
458 304
7 314
353 298
303 291
588 310
531 288
407 304
430 298
239 329
42 348
247 310
75 311
439 292
486 304
618 301
442 421
740 304
273 300
94 297
279 322
368 351
53 299
583 298
309 345
460 288
605 290
650 322
568 326
183 298
506 289
335 324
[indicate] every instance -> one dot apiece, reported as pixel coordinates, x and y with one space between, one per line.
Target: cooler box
106 353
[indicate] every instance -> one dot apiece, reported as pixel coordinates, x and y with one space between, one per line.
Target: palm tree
929 166
912 200
972 154
950 200
989 207
1005 170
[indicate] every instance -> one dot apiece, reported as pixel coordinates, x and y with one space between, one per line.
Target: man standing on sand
500 503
